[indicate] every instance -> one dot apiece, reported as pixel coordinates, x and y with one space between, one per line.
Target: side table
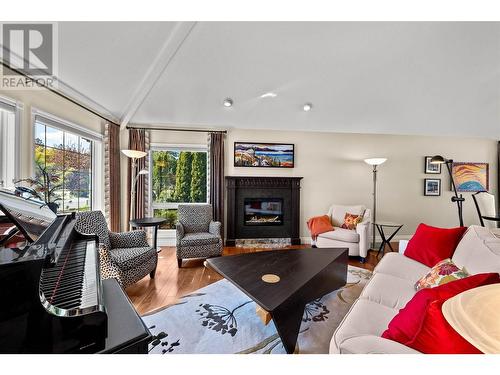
144 222
386 240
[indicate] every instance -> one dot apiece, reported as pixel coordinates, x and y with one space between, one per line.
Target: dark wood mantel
240 187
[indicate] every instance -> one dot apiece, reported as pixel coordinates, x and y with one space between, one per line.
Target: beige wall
334 172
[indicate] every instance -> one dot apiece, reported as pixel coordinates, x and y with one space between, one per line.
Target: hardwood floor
171 283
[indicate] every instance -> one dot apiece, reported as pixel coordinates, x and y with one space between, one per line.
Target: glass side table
382 226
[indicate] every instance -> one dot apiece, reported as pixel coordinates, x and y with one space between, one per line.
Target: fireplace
262 208
263 211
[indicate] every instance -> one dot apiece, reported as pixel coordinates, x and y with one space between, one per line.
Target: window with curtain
178 175
68 155
8 144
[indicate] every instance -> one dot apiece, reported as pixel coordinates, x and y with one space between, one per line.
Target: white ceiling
370 77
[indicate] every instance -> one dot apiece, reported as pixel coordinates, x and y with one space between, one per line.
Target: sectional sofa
392 286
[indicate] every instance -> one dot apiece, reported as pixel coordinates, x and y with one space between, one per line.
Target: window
66 153
9 158
178 175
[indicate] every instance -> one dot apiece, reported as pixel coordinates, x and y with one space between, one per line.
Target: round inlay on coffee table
270 278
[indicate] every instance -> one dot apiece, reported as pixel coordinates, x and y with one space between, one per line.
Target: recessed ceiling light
269 95
228 102
308 107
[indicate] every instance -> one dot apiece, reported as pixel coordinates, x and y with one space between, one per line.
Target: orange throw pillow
351 221
318 225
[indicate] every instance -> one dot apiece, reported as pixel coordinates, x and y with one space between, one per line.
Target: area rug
221 319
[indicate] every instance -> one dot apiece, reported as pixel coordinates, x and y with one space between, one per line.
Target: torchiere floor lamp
374 162
134 175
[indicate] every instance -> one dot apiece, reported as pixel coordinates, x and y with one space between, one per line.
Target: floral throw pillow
351 221
442 273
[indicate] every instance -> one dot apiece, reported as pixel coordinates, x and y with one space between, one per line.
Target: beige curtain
112 175
139 140
216 150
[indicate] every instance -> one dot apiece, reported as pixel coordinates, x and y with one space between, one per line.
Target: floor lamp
134 155
374 162
438 159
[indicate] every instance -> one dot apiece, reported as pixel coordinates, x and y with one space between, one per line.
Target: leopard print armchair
197 236
125 256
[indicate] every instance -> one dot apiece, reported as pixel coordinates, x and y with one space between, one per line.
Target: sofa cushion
200 238
340 234
442 273
478 251
131 257
430 245
337 213
369 344
421 325
388 290
398 265
364 318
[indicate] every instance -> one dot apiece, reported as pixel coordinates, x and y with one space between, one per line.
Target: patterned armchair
125 256
197 236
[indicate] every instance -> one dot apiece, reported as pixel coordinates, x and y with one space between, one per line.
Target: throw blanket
318 225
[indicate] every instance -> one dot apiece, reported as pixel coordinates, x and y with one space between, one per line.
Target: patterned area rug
221 319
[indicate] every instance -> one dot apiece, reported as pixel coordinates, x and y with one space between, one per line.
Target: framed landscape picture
431 168
432 187
270 155
471 177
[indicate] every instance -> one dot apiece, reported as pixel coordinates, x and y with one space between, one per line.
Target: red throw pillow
421 325
430 245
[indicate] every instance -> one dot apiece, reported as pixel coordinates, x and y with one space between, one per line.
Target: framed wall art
432 187
431 168
471 177
269 155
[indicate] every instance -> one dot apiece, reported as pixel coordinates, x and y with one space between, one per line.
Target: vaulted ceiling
368 77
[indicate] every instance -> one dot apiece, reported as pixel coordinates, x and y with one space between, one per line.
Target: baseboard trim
170 241
308 240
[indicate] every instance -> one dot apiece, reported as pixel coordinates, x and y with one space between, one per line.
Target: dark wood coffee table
295 278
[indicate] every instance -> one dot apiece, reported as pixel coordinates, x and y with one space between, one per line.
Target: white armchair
358 240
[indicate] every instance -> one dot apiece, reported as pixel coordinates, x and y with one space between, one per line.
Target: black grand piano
52 299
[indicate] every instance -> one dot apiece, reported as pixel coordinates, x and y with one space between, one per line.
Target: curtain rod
181 130
59 94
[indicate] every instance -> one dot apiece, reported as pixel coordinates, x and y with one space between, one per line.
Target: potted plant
43 188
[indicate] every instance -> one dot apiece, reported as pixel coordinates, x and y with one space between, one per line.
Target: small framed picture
431 168
432 187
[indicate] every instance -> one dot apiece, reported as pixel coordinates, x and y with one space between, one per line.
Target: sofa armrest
135 238
179 233
214 228
370 344
402 246
363 229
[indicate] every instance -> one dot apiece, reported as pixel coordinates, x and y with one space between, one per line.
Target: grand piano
52 298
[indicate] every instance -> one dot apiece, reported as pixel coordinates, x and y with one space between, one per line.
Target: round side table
144 222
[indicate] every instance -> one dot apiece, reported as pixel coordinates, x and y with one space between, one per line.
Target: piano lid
31 216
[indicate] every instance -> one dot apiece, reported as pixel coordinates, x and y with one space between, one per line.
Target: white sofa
392 286
358 240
